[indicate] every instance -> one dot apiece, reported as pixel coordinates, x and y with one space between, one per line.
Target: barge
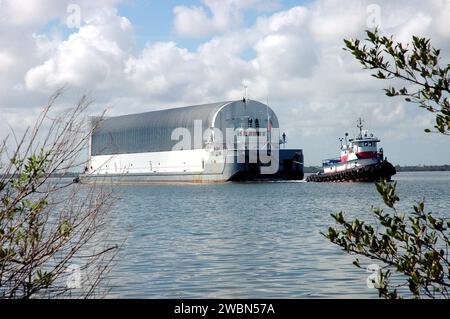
217 142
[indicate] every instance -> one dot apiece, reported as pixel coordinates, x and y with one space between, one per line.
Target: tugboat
360 161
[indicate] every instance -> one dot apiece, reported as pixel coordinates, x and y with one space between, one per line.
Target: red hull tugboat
360 161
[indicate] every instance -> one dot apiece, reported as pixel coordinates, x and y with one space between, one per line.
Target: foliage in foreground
52 239
425 82
414 245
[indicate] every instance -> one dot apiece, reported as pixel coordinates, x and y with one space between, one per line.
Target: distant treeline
55 175
422 168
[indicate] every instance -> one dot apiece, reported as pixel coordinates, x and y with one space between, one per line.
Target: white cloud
330 21
293 18
293 56
214 16
192 21
388 114
162 68
26 14
6 63
93 57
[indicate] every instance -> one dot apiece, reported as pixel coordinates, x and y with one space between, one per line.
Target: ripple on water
247 240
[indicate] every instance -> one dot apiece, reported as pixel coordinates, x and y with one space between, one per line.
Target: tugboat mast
360 126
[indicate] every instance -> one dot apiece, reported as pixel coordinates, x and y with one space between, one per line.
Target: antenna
269 126
245 93
267 111
360 126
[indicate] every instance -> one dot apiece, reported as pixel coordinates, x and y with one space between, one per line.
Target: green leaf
65 228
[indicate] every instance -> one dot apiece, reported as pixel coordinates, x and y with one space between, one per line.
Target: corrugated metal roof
175 117
149 131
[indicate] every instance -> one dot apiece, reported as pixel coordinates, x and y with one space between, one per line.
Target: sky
135 56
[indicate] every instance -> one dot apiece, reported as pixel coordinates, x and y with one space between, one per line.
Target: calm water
249 240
